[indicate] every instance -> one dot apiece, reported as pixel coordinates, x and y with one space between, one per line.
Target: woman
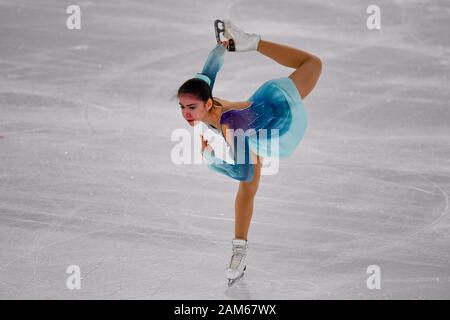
277 106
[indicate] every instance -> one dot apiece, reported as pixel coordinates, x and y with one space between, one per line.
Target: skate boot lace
237 257
241 35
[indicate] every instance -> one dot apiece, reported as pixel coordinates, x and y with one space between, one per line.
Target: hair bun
204 78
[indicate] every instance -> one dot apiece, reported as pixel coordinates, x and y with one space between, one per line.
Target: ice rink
86 176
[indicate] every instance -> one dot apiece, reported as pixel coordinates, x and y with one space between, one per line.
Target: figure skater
276 106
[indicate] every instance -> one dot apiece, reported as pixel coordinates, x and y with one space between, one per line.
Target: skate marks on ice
390 210
404 234
260 283
237 289
280 288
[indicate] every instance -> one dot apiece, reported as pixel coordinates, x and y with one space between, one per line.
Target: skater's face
192 109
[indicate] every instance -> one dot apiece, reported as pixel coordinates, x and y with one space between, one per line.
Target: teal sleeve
237 171
214 63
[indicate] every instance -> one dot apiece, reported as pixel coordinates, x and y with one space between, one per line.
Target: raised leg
308 66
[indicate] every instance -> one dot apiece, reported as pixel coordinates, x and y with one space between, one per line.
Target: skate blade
219 30
232 282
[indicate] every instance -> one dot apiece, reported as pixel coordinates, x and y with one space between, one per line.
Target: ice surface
86 176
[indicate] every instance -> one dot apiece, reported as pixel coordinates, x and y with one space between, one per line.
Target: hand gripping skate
238 39
218 30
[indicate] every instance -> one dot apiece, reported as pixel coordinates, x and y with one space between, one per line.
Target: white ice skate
237 265
238 39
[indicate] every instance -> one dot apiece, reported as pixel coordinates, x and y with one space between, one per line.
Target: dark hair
199 89
196 87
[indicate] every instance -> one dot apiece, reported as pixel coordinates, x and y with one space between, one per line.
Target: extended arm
239 171
213 63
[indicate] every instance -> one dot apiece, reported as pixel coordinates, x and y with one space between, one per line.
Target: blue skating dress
272 126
